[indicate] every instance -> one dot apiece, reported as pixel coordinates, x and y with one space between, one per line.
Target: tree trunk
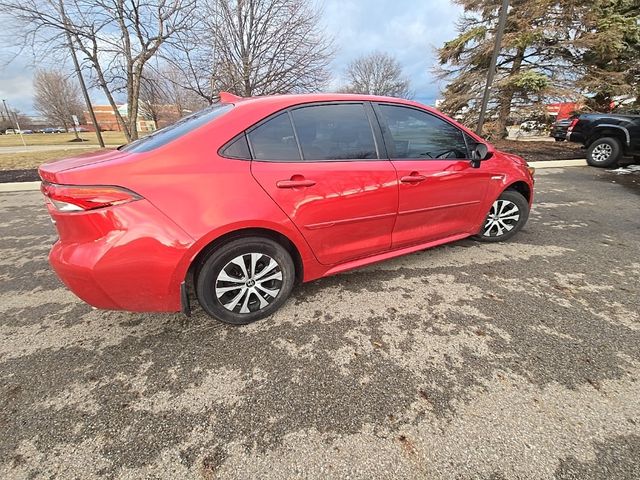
133 92
506 96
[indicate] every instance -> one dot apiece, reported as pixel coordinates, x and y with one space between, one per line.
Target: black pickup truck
607 137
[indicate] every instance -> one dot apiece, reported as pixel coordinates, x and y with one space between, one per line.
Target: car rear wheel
507 216
245 280
604 152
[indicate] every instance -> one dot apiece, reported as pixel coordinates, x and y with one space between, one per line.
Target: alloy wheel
248 283
602 152
503 217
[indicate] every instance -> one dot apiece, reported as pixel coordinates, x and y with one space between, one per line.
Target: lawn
26 160
110 138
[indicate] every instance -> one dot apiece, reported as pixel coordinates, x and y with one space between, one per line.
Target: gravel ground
470 361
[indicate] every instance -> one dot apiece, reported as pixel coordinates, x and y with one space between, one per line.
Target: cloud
409 30
16 84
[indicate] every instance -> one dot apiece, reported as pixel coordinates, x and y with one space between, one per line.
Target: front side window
334 132
421 135
274 140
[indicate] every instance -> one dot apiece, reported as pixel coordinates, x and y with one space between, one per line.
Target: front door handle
297 181
415 177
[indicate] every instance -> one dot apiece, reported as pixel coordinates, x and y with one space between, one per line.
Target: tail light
78 198
572 124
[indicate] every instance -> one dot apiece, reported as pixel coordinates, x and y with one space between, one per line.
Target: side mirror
480 153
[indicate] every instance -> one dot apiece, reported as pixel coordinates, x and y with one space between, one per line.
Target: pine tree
552 50
609 53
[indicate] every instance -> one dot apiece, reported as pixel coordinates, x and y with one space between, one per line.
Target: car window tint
275 140
238 148
418 134
334 132
183 126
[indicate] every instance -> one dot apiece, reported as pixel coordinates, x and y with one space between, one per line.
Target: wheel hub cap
249 283
602 152
502 218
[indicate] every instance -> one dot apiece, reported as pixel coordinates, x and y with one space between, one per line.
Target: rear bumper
123 258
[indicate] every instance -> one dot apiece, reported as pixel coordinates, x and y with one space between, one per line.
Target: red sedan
243 199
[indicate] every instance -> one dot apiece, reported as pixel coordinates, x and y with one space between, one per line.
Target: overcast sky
407 29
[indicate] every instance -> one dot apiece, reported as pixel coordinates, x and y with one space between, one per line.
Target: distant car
52 130
607 137
11 131
26 132
532 126
560 127
246 197
77 129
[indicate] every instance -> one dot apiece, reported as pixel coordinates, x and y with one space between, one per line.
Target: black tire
494 233
208 280
604 152
557 139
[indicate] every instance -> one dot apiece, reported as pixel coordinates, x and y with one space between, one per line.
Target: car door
440 193
323 164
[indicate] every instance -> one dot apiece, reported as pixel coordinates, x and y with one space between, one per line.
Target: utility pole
15 119
83 86
492 67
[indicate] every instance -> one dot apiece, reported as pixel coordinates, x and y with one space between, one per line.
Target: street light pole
15 119
492 67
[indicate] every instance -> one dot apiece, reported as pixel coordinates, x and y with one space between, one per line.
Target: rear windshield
181 127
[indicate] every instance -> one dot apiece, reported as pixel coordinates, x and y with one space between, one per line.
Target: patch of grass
110 138
18 161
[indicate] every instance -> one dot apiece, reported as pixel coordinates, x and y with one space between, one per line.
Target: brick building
107 121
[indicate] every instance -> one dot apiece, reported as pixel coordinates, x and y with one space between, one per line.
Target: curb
19 186
558 163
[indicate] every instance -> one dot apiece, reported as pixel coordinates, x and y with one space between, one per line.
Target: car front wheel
245 280
507 216
604 152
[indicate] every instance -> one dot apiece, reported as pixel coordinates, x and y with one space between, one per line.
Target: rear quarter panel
204 194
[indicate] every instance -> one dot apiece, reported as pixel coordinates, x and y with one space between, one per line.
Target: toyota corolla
240 201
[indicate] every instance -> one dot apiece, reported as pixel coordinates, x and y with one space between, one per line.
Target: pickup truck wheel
604 152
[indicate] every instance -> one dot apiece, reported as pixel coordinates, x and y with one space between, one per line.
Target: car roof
289 100
265 105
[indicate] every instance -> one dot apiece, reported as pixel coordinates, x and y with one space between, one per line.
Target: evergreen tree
552 50
610 58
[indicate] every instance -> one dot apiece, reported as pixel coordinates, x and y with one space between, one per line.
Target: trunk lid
50 171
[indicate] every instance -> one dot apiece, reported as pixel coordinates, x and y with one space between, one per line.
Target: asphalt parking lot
470 361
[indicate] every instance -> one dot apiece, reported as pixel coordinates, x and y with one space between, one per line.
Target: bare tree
57 97
116 38
377 73
163 101
255 47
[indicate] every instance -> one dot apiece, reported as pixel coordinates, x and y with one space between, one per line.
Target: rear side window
183 126
334 132
238 148
274 140
421 135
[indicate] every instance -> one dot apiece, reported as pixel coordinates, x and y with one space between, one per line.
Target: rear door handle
415 177
295 183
